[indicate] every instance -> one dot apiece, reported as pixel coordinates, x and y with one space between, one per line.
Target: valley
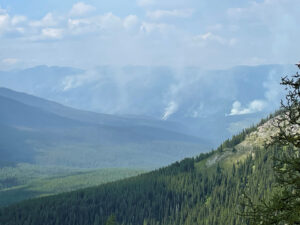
47 148
24 181
149 112
192 191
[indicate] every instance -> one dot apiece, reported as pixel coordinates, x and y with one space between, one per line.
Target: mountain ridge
181 95
205 190
40 135
50 122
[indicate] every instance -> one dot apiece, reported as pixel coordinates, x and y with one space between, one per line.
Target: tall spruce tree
284 205
111 220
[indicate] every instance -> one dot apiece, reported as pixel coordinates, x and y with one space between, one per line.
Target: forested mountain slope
48 133
86 116
202 190
43 142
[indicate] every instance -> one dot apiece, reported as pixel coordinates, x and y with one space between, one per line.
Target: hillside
203 190
43 141
87 116
53 134
26 181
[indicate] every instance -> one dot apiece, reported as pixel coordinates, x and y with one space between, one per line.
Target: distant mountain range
44 144
211 104
38 131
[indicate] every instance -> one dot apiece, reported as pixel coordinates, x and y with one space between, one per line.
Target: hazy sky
204 33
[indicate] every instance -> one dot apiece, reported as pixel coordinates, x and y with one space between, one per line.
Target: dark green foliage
27 181
179 194
283 208
111 220
189 192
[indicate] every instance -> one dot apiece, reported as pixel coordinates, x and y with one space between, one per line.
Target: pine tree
111 220
284 205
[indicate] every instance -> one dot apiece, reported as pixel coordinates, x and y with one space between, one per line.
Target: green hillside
202 190
48 148
24 181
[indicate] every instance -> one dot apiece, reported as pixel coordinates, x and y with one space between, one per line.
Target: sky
209 34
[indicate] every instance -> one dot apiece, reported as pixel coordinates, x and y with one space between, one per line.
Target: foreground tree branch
284 206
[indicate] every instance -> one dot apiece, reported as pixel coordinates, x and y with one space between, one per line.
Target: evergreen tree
284 205
111 220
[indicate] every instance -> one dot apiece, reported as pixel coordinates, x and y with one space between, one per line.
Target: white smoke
75 81
253 107
170 109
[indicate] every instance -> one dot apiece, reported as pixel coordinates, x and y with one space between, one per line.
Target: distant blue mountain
200 101
42 132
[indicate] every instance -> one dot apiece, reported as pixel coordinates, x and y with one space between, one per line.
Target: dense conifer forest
146 112
207 189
